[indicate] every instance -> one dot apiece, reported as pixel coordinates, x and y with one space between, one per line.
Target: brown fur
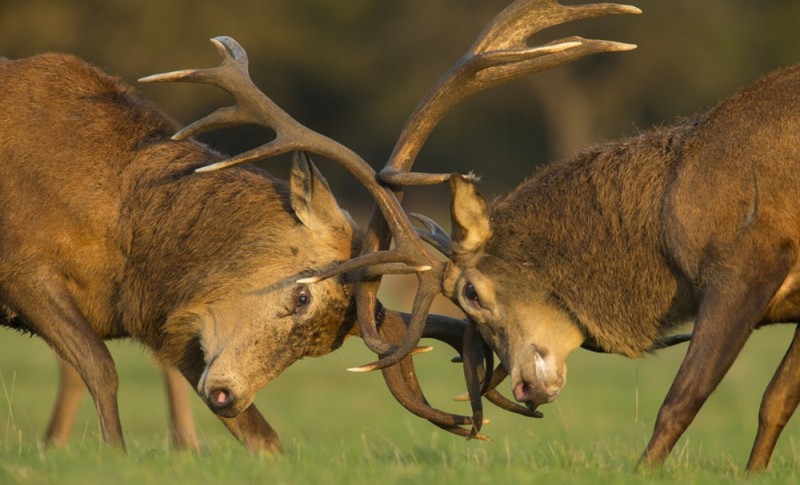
106 232
626 240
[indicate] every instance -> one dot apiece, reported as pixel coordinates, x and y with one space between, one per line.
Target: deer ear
470 215
312 200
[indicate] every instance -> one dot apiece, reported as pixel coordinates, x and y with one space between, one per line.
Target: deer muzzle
221 392
538 377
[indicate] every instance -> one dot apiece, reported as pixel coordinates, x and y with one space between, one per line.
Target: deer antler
402 381
499 54
254 107
409 255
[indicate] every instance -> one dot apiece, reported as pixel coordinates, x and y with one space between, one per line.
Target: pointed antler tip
303 281
213 167
166 77
153 78
220 42
363 368
623 46
421 350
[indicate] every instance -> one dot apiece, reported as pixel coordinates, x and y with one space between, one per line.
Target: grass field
339 427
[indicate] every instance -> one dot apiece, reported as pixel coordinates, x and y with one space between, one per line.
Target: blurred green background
353 70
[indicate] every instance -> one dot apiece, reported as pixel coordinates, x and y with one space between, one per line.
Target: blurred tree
354 69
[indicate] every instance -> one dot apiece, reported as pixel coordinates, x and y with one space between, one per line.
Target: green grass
339 427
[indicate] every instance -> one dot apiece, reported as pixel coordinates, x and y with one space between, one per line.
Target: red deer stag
618 245
107 231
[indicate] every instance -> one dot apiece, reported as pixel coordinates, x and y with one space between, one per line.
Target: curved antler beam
499 54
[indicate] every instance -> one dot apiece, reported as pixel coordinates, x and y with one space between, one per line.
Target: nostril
535 394
522 392
221 398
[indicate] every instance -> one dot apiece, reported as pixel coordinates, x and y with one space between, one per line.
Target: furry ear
470 215
311 198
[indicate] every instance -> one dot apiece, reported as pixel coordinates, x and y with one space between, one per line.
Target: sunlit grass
339 427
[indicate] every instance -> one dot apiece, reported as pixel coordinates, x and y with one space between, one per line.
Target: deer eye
471 294
301 299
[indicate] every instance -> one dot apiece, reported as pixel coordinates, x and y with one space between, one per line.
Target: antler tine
426 291
504 403
434 235
499 54
402 381
399 379
498 375
232 75
476 361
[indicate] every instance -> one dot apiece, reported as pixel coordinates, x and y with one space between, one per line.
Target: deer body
619 244
107 232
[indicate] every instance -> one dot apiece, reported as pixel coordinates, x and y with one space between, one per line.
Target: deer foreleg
731 306
50 310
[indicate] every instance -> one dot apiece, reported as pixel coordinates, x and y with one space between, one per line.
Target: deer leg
730 308
779 403
70 393
180 411
253 431
49 309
